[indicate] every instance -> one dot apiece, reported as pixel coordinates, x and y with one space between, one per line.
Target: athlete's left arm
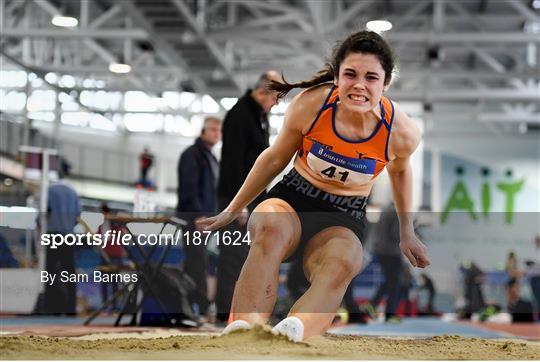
404 139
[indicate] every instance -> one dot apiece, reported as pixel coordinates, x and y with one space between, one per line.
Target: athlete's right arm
273 160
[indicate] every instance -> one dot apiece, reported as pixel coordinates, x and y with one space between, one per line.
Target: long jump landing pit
260 343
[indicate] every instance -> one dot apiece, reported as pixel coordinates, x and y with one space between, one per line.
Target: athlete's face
360 81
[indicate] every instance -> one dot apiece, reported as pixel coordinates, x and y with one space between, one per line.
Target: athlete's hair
365 42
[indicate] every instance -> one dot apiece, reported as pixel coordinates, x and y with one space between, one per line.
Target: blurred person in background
520 309
426 283
198 171
533 272
245 137
7 259
388 253
473 279
63 210
113 255
511 266
146 160
406 285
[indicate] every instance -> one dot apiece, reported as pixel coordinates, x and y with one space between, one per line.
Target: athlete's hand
414 250
198 226
243 217
213 223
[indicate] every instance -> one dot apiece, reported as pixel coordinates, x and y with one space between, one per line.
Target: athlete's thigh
334 241
278 213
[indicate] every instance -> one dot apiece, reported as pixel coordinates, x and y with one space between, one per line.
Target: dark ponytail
324 75
367 42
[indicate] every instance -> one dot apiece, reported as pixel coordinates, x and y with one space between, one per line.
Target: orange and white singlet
337 164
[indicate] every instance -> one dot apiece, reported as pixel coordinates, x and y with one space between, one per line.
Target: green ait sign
461 200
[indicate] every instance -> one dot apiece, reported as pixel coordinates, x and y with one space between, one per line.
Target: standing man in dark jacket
245 136
197 185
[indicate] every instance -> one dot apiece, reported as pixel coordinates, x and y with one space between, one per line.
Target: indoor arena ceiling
478 56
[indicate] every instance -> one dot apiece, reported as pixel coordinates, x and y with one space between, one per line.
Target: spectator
197 185
146 160
427 284
520 309
63 210
533 272
511 266
7 260
388 253
113 254
406 284
245 136
473 279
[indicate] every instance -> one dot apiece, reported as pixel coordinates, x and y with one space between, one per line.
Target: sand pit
259 343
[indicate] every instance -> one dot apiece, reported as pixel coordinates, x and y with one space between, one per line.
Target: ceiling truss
461 52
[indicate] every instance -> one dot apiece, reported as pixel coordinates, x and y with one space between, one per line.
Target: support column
436 180
57 116
161 177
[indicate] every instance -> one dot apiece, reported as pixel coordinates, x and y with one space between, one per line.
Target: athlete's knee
339 268
270 234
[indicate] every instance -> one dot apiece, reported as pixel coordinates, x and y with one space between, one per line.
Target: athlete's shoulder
406 134
306 105
314 96
389 107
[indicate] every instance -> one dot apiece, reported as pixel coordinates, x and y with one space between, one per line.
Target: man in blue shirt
63 210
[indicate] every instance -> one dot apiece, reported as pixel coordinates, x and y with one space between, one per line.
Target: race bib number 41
345 170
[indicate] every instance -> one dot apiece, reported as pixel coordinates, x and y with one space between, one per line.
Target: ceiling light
532 27
65 21
187 37
119 68
379 26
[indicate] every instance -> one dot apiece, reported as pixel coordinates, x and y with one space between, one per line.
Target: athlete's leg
332 258
275 232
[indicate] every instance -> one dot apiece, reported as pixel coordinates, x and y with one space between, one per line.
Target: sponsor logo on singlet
342 169
320 143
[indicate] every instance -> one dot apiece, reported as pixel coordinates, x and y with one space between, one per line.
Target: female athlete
342 132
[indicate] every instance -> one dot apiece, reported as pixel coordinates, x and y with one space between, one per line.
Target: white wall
114 156
487 240
521 154
488 147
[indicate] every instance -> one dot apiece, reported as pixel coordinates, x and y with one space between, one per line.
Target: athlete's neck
356 124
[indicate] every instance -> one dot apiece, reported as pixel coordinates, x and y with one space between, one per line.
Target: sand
259 343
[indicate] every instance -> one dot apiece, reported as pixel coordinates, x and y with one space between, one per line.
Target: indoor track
64 338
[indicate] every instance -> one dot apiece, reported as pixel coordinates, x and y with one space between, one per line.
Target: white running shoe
292 327
236 325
